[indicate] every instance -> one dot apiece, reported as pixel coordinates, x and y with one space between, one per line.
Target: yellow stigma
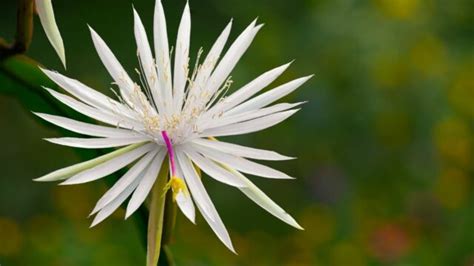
177 185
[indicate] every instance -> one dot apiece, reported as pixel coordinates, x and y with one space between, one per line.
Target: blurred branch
24 30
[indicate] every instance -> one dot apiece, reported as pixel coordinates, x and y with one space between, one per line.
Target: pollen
177 185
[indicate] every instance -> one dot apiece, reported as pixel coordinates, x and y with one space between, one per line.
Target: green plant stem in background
24 30
168 229
170 218
156 217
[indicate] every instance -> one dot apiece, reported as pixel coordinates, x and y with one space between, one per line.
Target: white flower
176 115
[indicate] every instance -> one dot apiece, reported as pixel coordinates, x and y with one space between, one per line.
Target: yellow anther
177 185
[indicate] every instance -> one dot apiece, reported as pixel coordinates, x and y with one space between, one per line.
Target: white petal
210 215
242 151
48 21
213 170
184 200
255 194
96 114
195 185
67 172
241 164
88 95
109 166
107 210
96 143
213 55
86 128
248 90
207 67
185 204
112 65
146 60
181 59
269 96
146 183
245 116
127 179
162 51
249 126
233 55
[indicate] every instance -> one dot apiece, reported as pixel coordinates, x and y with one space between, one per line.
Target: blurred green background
385 144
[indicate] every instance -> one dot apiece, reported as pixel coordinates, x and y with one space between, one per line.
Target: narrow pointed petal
185 204
213 55
146 184
181 60
214 170
233 55
107 210
96 143
146 59
162 51
225 120
184 200
249 90
113 66
127 179
207 67
241 164
87 94
195 185
211 215
86 128
96 114
48 21
249 126
109 167
69 171
269 96
262 200
242 151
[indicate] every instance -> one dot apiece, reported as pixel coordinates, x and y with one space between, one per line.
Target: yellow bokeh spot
389 72
400 9
347 253
322 224
461 92
452 138
74 201
43 229
428 56
10 237
452 188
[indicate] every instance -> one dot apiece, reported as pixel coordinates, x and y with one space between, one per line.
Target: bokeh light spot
10 237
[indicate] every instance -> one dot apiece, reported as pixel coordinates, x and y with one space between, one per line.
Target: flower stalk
156 218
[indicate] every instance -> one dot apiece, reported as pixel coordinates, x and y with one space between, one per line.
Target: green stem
156 217
170 218
168 229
